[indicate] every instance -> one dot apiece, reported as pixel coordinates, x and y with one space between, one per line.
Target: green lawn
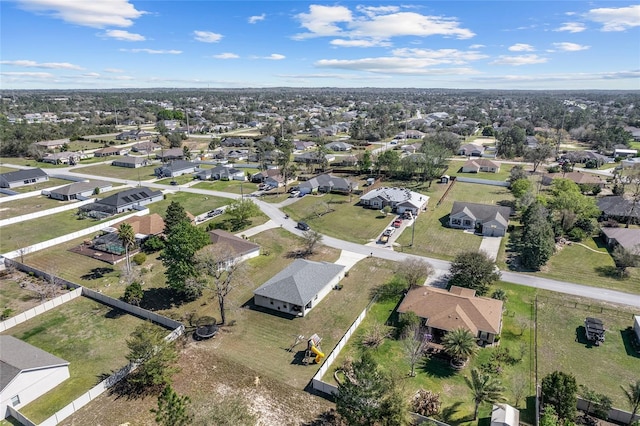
562 345
436 375
14 296
193 203
502 175
91 336
28 205
30 162
41 185
143 173
232 186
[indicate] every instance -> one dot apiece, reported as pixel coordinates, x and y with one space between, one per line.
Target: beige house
442 311
480 165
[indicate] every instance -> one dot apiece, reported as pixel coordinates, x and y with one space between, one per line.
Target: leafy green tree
133 293
128 239
175 214
460 344
568 204
447 140
434 161
598 402
484 388
240 211
156 357
182 244
624 259
511 142
186 152
538 155
153 244
559 390
391 289
521 187
473 270
365 162
390 161
632 393
173 409
366 396
517 172
549 416
537 241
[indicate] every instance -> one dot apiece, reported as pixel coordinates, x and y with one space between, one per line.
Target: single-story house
491 221
480 165
443 310
145 147
79 190
133 135
303 145
339 146
471 150
399 199
131 162
170 154
222 173
236 142
618 208
313 157
22 178
122 201
327 183
627 238
143 228
504 415
176 168
238 154
54 144
260 177
410 149
67 157
625 152
299 287
410 134
577 177
27 373
585 156
111 150
239 248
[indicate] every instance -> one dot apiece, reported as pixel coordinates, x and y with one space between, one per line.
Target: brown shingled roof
152 224
237 245
459 307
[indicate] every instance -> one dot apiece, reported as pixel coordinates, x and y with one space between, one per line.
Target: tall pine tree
537 241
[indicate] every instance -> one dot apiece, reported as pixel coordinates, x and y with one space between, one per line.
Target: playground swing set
313 350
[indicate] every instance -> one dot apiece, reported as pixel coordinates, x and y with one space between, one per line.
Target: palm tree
633 397
127 237
460 344
484 388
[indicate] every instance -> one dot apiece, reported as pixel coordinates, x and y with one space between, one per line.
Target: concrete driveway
491 246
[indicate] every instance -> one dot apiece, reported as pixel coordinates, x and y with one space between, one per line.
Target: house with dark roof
627 238
399 199
53 144
22 178
488 220
577 177
261 176
619 208
133 135
66 157
145 147
313 157
339 146
176 168
299 287
222 173
327 183
480 165
130 199
303 145
109 151
78 190
239 248
26 373
170 154
131 162
443 310
471 150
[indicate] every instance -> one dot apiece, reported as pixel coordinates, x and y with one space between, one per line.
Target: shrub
153 244
374 336
139 258
577 234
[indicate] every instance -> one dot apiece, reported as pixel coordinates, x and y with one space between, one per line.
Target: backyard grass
90 335
5 169
181 180
436 375
28 205
15 297
195 204
41 185
107 170
232 186
433 237
562 344
456 165
30 162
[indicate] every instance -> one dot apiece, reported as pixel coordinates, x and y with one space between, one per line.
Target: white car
294 194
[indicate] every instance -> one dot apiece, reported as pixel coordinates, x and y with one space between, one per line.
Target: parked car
294 194
384 239
388 231
303 226
397 223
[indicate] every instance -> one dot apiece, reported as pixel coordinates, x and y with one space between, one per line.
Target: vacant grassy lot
456 165
5 169
15 297
232 186
562 344
24 234
181 180
433 237
144 173
193 203
436 375
91 336
28 205
22 161
41 185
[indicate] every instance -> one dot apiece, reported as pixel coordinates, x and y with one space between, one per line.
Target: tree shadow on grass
581 337
437 367
447 413
97 273
155 299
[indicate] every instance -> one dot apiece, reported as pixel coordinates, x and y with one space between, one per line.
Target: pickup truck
384 239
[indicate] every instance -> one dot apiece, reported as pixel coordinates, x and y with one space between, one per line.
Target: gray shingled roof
78 187
129 196
299 282
17 356
21 175
482 212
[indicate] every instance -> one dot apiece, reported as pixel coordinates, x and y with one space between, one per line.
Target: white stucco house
26 373
400 199
299 287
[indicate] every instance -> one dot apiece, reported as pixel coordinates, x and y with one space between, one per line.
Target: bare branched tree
413 346
414 271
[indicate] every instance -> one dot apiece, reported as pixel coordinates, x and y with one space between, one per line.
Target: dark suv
303 226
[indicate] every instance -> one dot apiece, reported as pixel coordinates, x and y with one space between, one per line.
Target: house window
467 222
455 221
271 301
15 400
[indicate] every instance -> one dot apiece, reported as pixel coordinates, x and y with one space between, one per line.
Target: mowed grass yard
232 186
28 205
195 204
41 185
433 237
436 375
456 165
90 335
562 344
107 170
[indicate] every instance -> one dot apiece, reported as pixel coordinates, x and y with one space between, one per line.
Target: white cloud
519 60
27 74
49 65
477 46
616 19
408 24
90 75
372 11
570 47
94 13
321 20
614 75
441 56
123 35
521 47
113 70
274 57
256 18
207 36
226 55
153 51
392 65
572 27
359 43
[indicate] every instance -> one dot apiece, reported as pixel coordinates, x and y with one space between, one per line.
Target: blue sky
60 44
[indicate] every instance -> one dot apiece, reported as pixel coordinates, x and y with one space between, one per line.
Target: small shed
504 415
371 181
445 179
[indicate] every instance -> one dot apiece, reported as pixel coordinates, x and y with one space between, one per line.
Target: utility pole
413 230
